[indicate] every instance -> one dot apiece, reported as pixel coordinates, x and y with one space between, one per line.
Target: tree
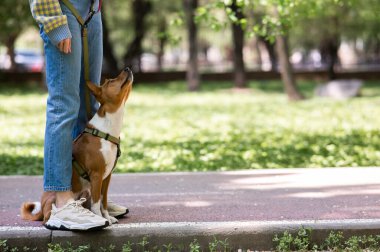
309 34
236 18
329 46
238 44
256 15
111 65
275 27
192 75
145 23
15 15
163 21
275 10
270 46
140 9
287 74
163 38
286 69
278 17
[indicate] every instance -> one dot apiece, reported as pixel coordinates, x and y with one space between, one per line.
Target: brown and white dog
97 156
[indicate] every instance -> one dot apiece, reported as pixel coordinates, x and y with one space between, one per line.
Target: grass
300 241
335 241
169 129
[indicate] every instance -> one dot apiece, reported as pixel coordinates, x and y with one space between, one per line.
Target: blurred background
326 36
245 60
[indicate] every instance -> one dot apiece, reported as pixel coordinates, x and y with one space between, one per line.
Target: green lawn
168 129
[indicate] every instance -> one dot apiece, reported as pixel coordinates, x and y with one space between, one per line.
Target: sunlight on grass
168 129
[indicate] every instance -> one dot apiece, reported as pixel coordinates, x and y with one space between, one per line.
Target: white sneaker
116 210
73 216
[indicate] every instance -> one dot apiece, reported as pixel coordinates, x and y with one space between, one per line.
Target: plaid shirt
49 15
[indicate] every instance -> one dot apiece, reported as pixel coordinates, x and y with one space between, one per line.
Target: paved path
340 195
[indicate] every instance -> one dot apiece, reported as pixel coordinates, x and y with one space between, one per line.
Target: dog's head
113 93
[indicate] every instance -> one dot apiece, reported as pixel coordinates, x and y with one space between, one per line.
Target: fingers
60 45
65 46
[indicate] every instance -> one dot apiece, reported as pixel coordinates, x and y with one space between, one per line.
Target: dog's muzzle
130 73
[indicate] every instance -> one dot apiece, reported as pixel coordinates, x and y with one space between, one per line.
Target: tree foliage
15 15
279 16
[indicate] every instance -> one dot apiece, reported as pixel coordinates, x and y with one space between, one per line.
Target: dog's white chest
109 151
111 123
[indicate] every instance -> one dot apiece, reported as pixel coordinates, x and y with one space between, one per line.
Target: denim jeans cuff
57 189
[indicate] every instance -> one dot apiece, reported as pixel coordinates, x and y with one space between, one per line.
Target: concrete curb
31 237
254 235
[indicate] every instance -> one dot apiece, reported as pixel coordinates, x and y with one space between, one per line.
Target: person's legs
63 73
62 77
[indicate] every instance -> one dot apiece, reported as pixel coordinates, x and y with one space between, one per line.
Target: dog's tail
32 211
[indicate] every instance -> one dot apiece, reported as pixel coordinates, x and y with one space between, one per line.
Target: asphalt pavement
247 207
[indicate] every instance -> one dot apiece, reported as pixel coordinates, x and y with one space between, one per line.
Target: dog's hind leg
47 200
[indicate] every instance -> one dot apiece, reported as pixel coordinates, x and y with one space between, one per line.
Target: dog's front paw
112 220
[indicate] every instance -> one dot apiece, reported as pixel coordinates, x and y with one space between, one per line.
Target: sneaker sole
119 215
62 227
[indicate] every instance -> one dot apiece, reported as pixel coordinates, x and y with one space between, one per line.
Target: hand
65 45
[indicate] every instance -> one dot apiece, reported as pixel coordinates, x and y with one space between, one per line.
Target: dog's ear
97 91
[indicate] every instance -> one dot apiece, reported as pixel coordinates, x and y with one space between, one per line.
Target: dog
95 155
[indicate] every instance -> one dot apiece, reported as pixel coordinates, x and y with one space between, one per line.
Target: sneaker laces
78 206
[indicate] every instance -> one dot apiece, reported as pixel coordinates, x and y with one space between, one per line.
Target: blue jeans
66 110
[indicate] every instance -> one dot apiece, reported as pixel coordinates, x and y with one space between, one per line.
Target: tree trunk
162 43
192 65
287 74
333 51
330 47
238 43
271 52
329 52
258 52
140 9
111 65
10 44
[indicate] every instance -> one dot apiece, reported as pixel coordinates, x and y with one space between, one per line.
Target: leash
84 24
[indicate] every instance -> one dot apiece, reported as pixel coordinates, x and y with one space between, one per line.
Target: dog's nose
129 73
